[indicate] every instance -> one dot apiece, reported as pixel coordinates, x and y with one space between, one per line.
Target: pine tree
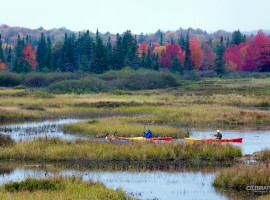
219 61
182 43
99 63
149 58
42 51
237 37
109 53
176 66
188 64
161 39
49 54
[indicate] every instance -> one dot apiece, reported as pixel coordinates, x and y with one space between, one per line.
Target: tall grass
263 155
71 188
241 176
57 150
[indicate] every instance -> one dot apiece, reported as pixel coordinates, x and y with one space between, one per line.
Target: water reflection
186 183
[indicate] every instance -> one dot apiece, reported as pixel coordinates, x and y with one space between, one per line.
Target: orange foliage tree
29 55
196 53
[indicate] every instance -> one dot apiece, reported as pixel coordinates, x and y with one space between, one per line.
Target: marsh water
185 183
181 183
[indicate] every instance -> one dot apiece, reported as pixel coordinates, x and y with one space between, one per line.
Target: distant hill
10 34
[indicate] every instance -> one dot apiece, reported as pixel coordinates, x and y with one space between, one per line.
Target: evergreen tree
69 60
219 61
20 64
42 53
118 55
188 64
149 58
182 43
161 39
2 57
109 53
237 37
99 64
143 60
176 66
49 55
155 64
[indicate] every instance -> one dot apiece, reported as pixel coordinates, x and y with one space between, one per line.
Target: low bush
9 79
86 85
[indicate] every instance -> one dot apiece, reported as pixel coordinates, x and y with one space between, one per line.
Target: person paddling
218 135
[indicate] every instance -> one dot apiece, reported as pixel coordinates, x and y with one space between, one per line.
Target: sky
140 16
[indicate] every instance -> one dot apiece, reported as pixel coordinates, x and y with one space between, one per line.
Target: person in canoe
218 135
147 134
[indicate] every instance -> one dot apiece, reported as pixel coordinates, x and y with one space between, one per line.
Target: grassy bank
57 150
59 188
209 101
123 127
241 176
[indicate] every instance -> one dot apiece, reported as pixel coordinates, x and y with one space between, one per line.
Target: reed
59 188
241 176
88 151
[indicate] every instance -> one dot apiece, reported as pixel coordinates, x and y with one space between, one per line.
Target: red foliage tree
196 52
29 55
143 47
2 66
167 56
262 49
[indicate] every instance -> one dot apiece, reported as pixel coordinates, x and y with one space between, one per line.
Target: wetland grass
88 151
59 188
240 176
123 127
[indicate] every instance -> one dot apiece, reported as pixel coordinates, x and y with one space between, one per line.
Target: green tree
219 61
99 64
176 66
42 53
182 43
237 37
188 64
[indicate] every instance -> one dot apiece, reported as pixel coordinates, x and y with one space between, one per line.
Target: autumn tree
262 49
29 56
166 57
196 53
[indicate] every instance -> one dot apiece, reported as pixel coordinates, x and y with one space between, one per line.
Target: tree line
94 55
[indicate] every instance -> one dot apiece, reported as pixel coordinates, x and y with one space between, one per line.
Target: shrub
9 79
86 85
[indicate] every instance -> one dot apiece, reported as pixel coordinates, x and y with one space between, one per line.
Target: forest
179 52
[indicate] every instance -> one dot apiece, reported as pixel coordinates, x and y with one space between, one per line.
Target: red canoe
144 139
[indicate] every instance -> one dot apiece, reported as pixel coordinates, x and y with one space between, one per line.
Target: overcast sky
145 16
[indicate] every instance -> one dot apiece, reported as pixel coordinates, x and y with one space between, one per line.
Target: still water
183 184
